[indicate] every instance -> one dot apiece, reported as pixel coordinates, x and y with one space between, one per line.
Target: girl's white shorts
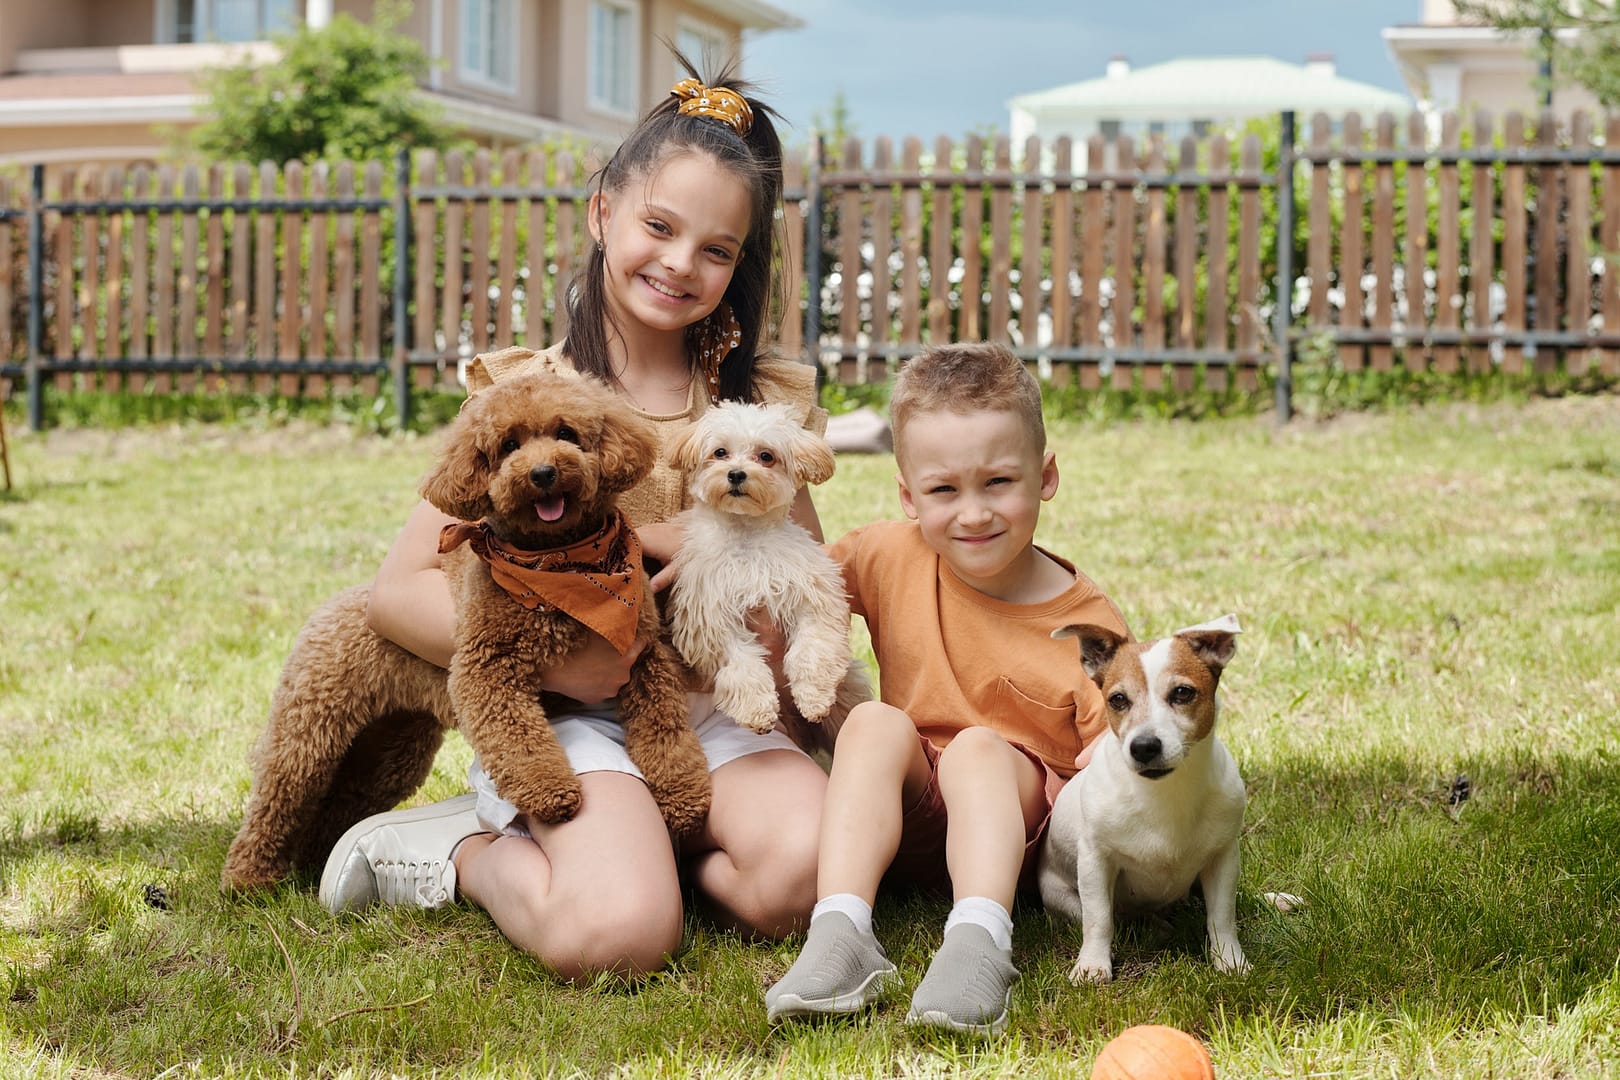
593 739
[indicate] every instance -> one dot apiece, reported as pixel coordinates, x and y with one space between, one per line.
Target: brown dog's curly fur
356 721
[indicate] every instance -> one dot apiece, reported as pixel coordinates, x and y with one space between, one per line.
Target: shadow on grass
1461 915
15 496
1414 904
68 843
30 491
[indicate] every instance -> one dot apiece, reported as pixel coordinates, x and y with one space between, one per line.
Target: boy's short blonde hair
967 378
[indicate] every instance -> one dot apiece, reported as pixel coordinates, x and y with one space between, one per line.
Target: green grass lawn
1427 594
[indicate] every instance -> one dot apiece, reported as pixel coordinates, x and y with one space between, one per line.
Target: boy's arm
845 551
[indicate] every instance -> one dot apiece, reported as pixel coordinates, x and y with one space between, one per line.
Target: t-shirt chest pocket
1042 714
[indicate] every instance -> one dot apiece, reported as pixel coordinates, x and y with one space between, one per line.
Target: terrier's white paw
1091 971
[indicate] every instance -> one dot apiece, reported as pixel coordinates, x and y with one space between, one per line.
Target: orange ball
1153 1052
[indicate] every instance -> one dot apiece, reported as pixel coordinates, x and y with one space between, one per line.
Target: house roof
95 98
79 85
1216 86
753 14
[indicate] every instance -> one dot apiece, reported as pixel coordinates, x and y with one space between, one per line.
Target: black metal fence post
1283 317
402 287
36 300
812 260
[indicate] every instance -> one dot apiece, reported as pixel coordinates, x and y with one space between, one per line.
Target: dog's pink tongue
550 508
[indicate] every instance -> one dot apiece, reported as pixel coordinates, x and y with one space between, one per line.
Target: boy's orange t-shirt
951 657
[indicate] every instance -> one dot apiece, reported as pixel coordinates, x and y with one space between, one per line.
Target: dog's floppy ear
1097 646
1213 642
813 461
685 451
628 450
459 484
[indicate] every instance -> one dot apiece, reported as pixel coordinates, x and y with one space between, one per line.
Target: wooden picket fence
1112 263
1133 265
221 278
1438 291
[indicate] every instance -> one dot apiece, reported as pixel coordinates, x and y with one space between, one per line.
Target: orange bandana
598 581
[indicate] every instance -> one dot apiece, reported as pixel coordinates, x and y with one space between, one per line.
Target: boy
950 777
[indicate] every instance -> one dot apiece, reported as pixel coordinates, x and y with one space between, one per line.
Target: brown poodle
531 467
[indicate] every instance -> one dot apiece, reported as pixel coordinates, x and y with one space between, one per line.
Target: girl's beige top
663 493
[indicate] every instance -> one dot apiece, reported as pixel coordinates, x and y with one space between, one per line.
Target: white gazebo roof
1210 87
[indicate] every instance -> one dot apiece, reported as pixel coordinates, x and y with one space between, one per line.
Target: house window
613 56
197 21
488 42
704 45
1109 129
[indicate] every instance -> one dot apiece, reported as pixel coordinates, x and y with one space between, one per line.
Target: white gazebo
1192 95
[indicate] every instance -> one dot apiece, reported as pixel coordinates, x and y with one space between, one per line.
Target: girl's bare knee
582 926
785 881
623 936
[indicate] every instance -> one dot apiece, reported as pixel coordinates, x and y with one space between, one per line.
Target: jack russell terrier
1161 802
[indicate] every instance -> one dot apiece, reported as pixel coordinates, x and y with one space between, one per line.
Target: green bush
345 91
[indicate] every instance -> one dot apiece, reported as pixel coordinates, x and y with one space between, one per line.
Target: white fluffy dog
741 555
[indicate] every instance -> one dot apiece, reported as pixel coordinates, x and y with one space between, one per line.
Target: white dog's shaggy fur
742 554
1161 804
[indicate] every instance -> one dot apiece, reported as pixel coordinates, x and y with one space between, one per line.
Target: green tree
346 90
834 127
1591 59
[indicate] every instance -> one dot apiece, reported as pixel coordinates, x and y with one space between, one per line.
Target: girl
668 311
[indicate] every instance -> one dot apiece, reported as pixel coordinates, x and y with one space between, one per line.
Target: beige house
103 79
1451 65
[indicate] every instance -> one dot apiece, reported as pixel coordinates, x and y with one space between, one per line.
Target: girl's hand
595 672
660 541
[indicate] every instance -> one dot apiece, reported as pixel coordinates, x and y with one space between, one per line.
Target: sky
948 67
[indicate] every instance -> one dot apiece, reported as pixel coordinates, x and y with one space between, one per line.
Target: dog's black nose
1144 748
736 476
543 475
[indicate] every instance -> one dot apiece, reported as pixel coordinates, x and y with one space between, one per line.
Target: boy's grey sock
968 985
840 970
